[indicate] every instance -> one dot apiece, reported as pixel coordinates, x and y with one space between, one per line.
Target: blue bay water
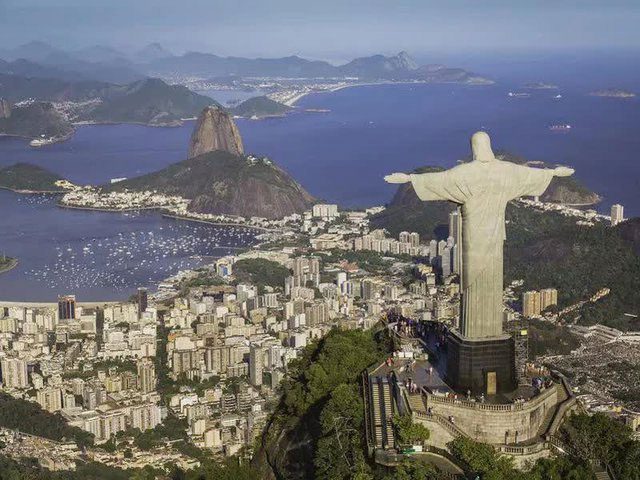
340 156
99 255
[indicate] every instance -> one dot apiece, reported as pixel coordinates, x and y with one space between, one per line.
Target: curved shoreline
105 209
13 263
165 214
33 192
301 95
222 224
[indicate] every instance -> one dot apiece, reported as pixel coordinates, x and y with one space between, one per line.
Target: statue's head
481 147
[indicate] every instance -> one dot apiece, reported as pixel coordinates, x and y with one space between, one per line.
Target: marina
101 256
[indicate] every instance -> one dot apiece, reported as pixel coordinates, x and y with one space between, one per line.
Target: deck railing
502 407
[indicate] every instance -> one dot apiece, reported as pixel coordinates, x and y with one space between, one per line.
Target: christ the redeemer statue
482 188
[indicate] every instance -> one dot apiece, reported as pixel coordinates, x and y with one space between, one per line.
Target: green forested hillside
149 101
321 406
27 177
29 418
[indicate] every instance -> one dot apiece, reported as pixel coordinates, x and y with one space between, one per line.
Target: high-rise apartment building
66 307
531 303
617 214
145 417
142 301
414 239
14 373
325 211
455 226
548 297
256 364
445 262
146 375
50 399
433 249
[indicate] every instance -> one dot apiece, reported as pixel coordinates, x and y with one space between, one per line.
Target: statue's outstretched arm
397 178
563 172
430 186
531 181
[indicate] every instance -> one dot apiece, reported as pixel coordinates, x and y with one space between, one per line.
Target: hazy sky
332 29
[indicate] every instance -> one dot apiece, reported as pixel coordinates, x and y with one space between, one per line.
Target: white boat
560 128
40 142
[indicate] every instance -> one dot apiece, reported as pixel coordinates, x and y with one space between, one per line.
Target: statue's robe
483 190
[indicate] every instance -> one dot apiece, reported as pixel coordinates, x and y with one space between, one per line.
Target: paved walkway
424 374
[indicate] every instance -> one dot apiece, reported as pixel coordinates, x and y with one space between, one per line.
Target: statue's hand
397 178
563 171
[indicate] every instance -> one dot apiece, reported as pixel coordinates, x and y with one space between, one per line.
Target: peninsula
28 178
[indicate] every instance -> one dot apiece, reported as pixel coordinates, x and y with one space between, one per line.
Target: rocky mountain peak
406 62
215 130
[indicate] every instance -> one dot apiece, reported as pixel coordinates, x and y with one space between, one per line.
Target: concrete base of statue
484 366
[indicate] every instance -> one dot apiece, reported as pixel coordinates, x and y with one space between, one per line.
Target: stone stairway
546 423
552 421
416 403
601 474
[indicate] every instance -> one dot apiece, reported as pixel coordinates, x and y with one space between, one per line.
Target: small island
7 263
260 107
613 93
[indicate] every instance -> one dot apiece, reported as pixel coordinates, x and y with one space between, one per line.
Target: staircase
601 474
416 402
566 401
377 416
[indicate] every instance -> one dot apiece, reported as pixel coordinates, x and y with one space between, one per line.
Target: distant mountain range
107 85
377 67
150 101
110 65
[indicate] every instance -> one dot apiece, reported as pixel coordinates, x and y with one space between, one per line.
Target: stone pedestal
480 365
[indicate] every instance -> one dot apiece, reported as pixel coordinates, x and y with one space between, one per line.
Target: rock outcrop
215 130
5 108
218 178
569 191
